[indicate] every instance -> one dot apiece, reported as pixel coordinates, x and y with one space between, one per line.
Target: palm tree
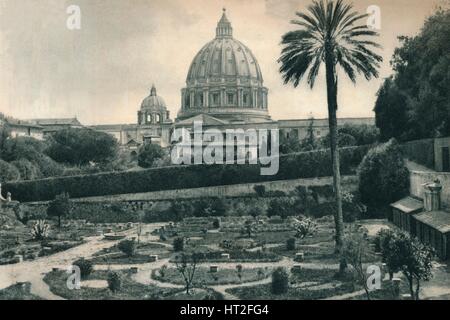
330 33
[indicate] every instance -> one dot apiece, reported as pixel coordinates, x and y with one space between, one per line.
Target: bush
383 176
282 207
148 154
216 223
86 267
290 244
40 230
8 172
128 247
280 281
27 170
178 244
260 190
114 281
293 166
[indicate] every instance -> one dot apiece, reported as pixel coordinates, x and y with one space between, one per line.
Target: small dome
153 101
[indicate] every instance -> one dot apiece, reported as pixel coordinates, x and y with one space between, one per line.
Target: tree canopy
415 102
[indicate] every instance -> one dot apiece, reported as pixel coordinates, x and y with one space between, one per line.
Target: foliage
114 281
414 103
128 247
59 207
86 267
420 151
260 190
40 230
216 223
305 227
410 256
82 146
302 165
354 251
383 176
8 172
148 154
282 207
186 265
27 170
290 244
280 281
354 135
178 244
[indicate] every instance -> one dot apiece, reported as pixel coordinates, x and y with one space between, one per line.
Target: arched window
149 118
158 118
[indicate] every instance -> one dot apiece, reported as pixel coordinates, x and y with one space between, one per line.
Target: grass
323 277
130 290
204 277
115 256
19 291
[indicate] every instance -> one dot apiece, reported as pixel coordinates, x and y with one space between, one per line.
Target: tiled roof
408 205
439 220
56 121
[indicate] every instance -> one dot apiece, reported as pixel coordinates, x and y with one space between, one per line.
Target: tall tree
330 33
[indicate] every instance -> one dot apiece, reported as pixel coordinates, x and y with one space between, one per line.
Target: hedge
420 151
293 166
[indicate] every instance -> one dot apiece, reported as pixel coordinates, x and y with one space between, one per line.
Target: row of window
231 99
151 118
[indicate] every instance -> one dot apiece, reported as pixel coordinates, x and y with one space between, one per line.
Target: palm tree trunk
332 119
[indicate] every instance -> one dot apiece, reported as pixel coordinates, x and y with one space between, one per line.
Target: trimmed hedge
420 151
293 166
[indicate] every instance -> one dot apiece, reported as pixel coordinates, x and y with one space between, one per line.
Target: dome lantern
224 28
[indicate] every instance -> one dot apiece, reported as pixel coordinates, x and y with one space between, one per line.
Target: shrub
305 228
216 223
86 267
383 176
27 170
260 190
282 207
8 172
178 244
148 154
40 230
420 151
128 247
280 281
290 244
114 281
293 166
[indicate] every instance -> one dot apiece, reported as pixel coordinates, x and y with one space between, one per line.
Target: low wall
419 178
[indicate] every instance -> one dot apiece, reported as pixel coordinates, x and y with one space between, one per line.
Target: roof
408 205
439 220
324 122
56 121
21 123
203 118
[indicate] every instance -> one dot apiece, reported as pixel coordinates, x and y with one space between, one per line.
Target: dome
225 80
153 110
153 101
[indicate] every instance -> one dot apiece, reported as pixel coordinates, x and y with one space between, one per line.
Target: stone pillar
432 196
191 100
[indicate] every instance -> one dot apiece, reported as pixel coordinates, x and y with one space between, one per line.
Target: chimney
432 196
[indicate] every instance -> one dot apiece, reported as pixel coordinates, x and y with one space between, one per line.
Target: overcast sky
102 72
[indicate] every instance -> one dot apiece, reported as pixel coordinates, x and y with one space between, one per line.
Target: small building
402 212
53 125
20 128
433 228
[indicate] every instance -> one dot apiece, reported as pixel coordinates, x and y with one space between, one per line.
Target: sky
102 72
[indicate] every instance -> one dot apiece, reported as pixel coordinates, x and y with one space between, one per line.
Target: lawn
303 285
203 276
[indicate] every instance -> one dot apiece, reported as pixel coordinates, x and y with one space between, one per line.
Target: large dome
225 81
